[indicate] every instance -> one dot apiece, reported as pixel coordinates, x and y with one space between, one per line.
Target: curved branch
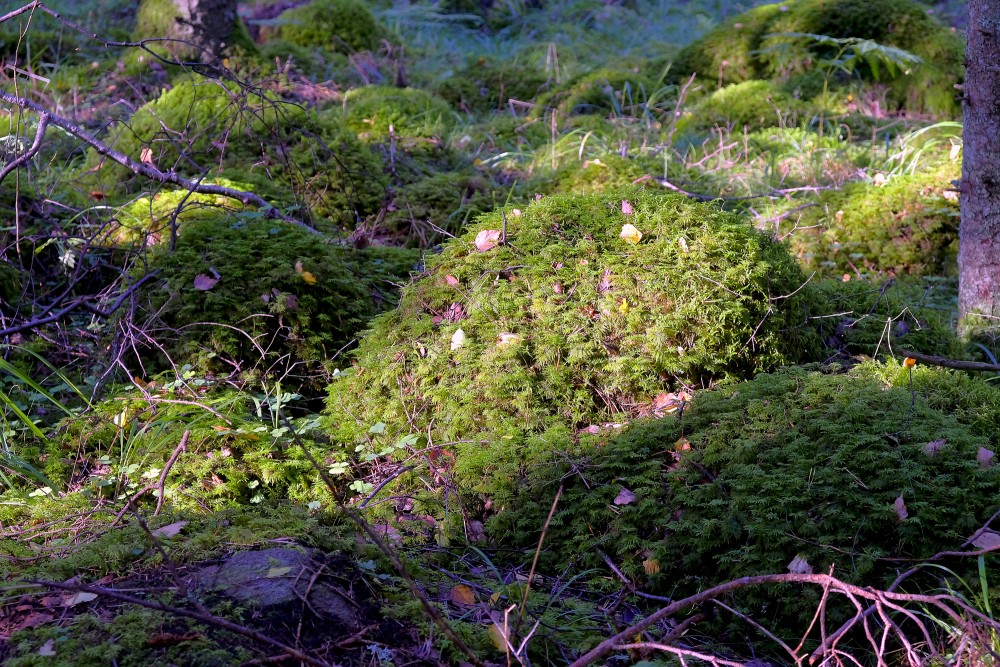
139 168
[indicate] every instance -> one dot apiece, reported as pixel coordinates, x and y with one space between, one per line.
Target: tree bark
979 233
206 25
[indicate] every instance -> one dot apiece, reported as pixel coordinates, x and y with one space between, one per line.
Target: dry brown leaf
651 566
900 507
462 594
204 283
146 155
451 280
487 239
625 497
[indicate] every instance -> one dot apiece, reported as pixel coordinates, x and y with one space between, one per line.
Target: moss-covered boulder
411 112
848 470
563 323
239 294
751 46
905 224
342 26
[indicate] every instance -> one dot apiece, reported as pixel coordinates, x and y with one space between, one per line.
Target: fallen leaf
80 598
457 339
987 540
667 402
48 648
204 283
505 338
451 280
651 566
487 239
682 445
146 155
626 207
934 446
625 497
985 457
497 637
516 213
630 234
800 565
900 507
462 594
275 572
309 278
170 530
475 531
909 362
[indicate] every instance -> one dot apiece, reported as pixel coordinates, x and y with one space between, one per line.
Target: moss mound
567 324
908 225
486 84
411 112
259 143
748 47
342 26
792 464
604 91
423 212
279 293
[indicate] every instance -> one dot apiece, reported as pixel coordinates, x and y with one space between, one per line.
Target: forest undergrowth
490 332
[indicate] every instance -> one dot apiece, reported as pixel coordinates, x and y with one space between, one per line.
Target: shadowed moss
752 104
281 295
605 91
486 84
797 463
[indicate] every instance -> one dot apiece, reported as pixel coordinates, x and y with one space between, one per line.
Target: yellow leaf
498 638
309 278
651 565
462 594
630 234
624 307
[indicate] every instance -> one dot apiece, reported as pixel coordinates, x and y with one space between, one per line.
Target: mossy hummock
850 471
751 46
548 318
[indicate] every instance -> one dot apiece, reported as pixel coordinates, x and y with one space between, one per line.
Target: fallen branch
976 366
139 168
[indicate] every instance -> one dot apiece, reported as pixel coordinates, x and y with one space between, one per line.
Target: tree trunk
198 25
979 234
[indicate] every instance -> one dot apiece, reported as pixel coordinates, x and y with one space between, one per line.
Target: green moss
422 213
604 174
370 111
156 19
567 325
752 104
486 84
905 226
604 91
740 49
255 141
343 26
795 463
270 309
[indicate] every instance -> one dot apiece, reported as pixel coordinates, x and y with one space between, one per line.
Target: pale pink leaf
900 507
626 207
986 458
487 239
934 446
204 283
987 540
800 565
625 497
170 530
